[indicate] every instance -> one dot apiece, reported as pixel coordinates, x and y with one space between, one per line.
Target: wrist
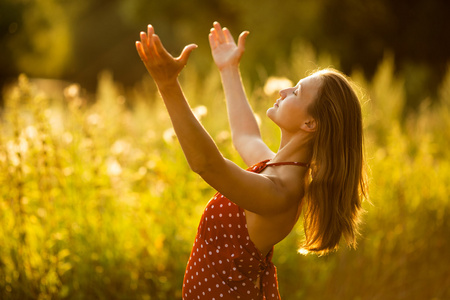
229 69
166 84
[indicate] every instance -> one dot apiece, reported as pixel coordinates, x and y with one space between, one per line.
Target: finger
144 39
228 36
219 32
212 41
150 30
145 44
242 39
140 51
184 56
213 32
158 46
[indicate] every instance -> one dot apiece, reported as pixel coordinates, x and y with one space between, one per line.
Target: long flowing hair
337 182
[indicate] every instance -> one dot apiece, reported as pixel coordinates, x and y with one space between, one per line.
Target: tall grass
97 201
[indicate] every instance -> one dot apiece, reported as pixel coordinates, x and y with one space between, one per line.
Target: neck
294 147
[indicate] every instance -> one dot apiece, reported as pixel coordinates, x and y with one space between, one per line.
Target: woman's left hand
162 66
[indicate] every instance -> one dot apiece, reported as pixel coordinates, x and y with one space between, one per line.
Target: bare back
266 231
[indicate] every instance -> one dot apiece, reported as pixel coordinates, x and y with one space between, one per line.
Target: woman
318 169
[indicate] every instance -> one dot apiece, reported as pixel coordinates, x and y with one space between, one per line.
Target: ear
309 125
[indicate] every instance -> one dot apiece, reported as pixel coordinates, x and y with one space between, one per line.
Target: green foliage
42 46
75 40
97 201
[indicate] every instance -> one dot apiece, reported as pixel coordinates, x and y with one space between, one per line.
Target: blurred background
75 40
97 200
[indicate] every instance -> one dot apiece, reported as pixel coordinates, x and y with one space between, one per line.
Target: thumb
242 39
186 52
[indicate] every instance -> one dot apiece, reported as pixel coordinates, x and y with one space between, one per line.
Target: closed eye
296 89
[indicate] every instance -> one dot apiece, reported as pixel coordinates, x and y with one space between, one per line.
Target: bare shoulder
291 179
267 193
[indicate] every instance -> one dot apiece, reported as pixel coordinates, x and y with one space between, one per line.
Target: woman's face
290 111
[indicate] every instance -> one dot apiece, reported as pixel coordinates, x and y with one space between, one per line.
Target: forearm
240 114
198 147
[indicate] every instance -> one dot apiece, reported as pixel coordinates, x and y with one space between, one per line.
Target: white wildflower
142 171
200 111
223 136
14 149
151 164
67 171
94 119
67 137
72 91
275 84
31 132
119 147
169 135
113 168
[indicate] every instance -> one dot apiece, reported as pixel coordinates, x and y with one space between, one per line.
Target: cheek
293 110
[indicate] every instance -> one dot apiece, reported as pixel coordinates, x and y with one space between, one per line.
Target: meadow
98 202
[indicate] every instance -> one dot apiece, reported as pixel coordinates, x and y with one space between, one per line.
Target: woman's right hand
224 50
162 66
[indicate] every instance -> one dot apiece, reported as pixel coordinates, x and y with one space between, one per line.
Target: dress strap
295 163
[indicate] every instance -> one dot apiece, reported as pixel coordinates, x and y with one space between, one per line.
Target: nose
284 92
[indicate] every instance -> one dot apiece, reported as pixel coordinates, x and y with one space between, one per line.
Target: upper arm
252 149
258 193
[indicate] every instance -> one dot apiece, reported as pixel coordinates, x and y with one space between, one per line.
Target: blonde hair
337 184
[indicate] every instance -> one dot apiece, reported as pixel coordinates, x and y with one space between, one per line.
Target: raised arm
198 147
261 194
244 128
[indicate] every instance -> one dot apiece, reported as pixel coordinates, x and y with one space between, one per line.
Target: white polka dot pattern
224 262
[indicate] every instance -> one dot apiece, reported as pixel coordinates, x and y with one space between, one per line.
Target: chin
270 114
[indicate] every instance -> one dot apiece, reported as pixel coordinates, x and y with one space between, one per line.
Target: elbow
198 169
200 165
203 171
207 167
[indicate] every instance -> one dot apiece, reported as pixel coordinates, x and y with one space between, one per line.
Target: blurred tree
416 31
76 40
102 41
10 17
275 26
179 23
39 42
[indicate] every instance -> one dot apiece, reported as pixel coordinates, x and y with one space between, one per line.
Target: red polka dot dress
224 262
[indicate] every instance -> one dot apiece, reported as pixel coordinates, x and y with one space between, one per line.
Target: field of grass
97 201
